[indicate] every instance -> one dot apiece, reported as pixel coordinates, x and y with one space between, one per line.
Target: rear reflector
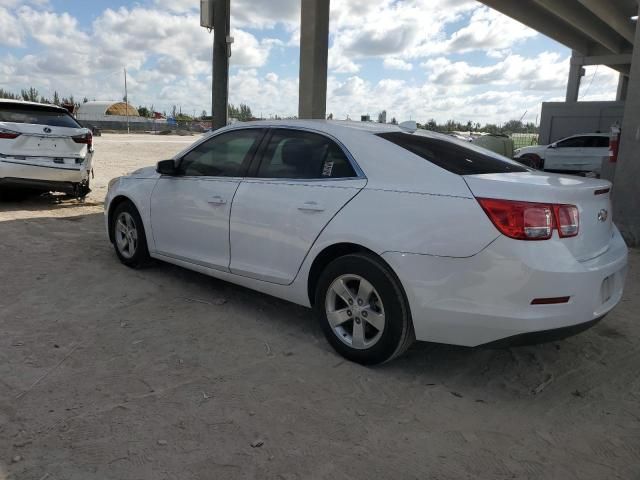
531 221
8 134
550 301
602 191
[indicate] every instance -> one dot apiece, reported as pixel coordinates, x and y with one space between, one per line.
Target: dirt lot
110 373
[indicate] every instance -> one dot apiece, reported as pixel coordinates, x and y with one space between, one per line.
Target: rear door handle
311 207
217 200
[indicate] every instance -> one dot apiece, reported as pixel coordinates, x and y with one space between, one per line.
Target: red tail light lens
520 220
86 139
531 221
567 220
8 134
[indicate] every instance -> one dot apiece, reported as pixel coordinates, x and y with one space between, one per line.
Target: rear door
302 179
570 154
190 211
596 152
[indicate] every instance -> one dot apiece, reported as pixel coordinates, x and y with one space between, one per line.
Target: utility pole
126 98
221 53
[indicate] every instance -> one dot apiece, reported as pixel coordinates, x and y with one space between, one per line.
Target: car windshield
454 155
37 115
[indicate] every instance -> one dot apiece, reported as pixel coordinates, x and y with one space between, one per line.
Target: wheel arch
117 201
337 250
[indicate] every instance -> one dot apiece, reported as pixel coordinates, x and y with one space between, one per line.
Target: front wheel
129 240
362 310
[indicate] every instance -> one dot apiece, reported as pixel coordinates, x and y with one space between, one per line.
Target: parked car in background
390 234
43 148
576 154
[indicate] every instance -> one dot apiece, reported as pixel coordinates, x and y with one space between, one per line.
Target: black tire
140 256
532 161
397 334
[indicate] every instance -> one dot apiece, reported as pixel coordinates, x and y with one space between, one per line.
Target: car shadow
36 201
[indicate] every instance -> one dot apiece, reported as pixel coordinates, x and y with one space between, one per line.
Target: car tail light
567 220
9 134
531 221
86 139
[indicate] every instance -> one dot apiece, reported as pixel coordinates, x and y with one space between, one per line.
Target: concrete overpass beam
314 51
576 72
612 17
584 20
623 86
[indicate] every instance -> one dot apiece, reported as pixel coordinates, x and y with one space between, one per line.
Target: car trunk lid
42 141
591 196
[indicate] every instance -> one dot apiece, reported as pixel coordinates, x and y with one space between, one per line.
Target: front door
303 180
190 211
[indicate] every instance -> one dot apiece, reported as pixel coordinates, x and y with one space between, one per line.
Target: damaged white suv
43 148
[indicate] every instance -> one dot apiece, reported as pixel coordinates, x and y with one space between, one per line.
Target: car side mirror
167 167
554 145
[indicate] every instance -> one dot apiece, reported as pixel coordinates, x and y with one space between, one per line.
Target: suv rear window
454 155
36 115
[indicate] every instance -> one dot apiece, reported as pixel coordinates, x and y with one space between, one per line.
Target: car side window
225 155
599 142
303 155
574 142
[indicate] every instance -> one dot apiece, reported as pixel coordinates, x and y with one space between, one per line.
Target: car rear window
454 155
37 115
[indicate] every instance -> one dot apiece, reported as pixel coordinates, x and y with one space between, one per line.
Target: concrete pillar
626 188
576 72
623 85
314 51
221 28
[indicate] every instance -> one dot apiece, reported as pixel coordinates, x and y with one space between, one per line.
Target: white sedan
389 234
42 147
576 154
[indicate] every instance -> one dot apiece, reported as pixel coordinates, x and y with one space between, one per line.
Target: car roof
8 101
599 134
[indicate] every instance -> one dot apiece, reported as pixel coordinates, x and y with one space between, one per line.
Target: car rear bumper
487 297
44 170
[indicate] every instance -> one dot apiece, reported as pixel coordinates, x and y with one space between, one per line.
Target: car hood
146 172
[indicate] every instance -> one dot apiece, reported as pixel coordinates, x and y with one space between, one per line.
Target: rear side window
303 155
452 155
599 142
37 116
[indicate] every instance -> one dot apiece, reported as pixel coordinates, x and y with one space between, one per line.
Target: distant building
365 118
116 115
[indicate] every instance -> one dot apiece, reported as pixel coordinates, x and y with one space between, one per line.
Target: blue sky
420 59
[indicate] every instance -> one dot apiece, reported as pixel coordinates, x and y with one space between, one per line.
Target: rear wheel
533 161
129 240
362 310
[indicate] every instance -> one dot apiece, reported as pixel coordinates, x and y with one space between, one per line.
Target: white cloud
392 63
12 33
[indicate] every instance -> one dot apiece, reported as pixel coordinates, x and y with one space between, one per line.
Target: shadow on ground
108 372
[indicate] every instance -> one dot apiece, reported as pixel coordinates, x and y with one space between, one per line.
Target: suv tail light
531 221
8 134
86 139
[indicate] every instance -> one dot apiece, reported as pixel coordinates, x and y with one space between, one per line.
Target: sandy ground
111 373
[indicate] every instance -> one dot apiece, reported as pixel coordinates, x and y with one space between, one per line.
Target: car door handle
217 200
311 207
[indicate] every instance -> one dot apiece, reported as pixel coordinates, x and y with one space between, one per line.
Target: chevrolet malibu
390 234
